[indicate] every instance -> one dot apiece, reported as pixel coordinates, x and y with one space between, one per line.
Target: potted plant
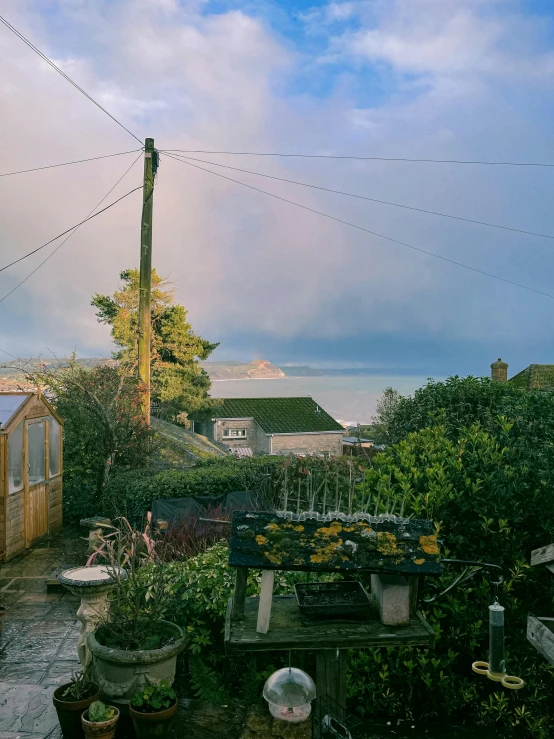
71 699
152 709
134 646
100 721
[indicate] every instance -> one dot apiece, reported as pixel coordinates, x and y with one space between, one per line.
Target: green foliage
104 430
488 505
178 382
154 698
384 413
80 687
131 493
99 712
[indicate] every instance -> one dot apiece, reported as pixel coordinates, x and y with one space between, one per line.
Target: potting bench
397 552
540 630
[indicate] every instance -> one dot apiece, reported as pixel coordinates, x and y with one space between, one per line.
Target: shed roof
280 415
10 403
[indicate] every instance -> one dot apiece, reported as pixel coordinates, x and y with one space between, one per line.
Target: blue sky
446 79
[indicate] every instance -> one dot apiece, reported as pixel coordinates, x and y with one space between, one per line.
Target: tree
385 411
178 383
104 428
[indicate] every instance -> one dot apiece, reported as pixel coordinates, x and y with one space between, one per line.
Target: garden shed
30 471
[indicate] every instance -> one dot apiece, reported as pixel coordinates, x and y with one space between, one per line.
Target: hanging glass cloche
289 693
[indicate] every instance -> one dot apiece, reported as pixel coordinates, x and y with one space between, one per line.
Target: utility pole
145 321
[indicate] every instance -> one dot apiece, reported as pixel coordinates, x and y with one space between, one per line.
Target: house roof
280 415
10 403
535 377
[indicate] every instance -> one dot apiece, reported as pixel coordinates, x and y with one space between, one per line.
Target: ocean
349 399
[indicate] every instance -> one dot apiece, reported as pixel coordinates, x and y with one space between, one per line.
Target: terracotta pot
102 730
69 712
152 724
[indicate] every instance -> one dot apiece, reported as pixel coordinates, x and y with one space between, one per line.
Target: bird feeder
289 693
495 668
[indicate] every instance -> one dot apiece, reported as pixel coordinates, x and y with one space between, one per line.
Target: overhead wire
66 164
65 76
7 295
89 218
373 200
365 230
361 159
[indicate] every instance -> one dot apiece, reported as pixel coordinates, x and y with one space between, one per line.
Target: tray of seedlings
332 600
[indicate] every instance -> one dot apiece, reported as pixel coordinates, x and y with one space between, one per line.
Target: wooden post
266 598
331 675
241 577
145 321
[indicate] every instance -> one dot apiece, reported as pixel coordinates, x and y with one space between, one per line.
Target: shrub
487 506
131 493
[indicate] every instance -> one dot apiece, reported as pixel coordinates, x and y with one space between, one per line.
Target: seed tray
343 599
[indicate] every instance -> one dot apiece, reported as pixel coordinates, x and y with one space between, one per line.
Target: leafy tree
178 383
103 429
385 411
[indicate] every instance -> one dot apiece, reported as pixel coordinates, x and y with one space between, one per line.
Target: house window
54 447
234 433
37 461
15 459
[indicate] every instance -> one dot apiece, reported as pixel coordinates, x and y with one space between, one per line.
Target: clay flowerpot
70 712
152 724
102 730
120 674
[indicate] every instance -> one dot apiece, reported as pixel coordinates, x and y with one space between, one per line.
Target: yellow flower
261 540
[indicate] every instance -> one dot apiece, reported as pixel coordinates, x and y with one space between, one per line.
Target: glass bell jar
289 693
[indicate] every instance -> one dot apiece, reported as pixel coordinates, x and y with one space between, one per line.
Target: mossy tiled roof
280 415
535 377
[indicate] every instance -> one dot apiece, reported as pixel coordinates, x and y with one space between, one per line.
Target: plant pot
120 674
102 730
70 712
152 724
3 610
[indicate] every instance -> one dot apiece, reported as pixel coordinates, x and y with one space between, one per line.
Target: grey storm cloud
259 274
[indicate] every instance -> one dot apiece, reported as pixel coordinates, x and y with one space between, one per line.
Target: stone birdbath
91 585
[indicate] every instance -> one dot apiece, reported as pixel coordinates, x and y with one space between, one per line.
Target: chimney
499 371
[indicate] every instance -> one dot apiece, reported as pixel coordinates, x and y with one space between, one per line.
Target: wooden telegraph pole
145 322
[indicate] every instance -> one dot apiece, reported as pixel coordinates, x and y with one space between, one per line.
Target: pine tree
178 382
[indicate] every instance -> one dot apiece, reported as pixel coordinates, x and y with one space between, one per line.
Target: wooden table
329 639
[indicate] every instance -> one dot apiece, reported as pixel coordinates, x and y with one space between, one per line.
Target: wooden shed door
38 512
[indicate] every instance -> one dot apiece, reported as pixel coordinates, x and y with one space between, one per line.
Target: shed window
36 435
15 459
54 447
235 433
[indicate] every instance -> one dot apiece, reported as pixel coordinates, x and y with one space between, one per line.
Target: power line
373 200
376 159
66 164
64 75
366 230
70 229
7 295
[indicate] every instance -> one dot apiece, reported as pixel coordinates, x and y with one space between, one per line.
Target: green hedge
131 493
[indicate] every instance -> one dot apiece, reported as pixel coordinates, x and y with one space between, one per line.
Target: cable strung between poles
66 164
70 229
366 230
361 159
364 197
64 75
7 295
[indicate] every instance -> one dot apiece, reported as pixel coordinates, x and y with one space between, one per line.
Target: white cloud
243 262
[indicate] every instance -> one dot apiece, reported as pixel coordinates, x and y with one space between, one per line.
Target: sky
419 79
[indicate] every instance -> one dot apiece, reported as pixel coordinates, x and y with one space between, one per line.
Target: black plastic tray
343 599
